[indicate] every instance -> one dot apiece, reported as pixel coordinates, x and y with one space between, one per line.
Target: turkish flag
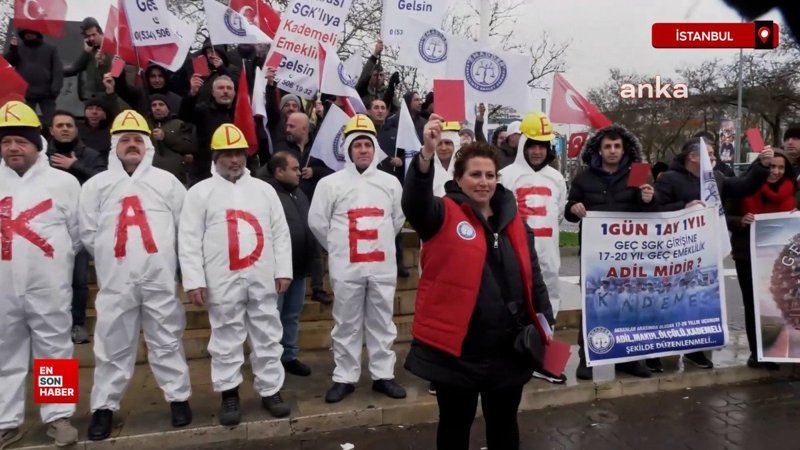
110 41
576 141
569 106
258 13
13 86
243 115
44 16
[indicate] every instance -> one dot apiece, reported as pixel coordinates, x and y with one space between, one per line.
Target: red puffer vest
452 270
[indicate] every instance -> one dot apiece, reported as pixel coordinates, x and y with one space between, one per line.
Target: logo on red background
55 381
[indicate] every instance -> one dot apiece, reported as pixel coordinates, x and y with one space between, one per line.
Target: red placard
274 60
556 356
450 100
640 174
117 65
55 381
200 66
754 139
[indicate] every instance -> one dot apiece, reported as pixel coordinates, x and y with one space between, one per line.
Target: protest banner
149 22
304 26
650 284
397 14
775 260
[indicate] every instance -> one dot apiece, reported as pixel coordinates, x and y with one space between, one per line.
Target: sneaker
9 436
80 335
547 376
62 432
635 368
295 367
338 392
699 359
389 388
583 372
319 295
275 405
754 363
100 425
230 413
431 389
654 365
181 414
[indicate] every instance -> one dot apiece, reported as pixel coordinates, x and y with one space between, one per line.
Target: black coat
488 360
139 97
308 186
387 139
40 66
206 117
677 186
304 245
90 162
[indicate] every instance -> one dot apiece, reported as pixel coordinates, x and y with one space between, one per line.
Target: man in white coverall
445 159
355 215
39 222
129 223
236 256
541 196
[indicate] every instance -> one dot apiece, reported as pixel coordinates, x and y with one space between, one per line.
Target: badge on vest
465 231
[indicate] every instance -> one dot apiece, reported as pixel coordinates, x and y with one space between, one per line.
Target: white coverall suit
355 217
541 198
41 209
136 263
442 175
234 241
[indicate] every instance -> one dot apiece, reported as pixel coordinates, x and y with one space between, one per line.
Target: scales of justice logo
344 77
234 23
485 71
433 46
338 146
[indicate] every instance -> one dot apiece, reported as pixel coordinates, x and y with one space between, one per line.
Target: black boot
319 295
338 391
635 368
654 365
181 414
583 372
389 388
275 405
229 413
100 425
295 367
699 359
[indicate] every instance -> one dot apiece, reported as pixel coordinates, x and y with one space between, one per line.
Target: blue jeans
290 304
80 288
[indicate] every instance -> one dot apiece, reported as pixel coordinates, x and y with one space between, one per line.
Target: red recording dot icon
763 34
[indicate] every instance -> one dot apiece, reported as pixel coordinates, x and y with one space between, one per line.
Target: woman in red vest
480 284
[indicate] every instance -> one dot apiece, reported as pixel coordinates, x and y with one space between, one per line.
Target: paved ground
750 416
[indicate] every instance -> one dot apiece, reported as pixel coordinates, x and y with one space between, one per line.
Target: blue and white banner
775 260
397 14
650 284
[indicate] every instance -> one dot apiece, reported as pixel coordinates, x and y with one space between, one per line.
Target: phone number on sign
149 35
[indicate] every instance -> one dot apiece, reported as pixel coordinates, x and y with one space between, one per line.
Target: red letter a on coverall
137 219
232 216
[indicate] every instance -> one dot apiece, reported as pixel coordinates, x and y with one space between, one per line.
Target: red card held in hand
274 60
450 100
117 65
556 356
640 174
200 66
754 139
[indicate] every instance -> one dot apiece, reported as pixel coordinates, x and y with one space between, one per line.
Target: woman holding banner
480 285
775 195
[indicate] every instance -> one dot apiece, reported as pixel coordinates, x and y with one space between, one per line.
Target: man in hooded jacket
603 186
129 222
541 194
236 256
355 215
40 66
173 138
156 81
35 269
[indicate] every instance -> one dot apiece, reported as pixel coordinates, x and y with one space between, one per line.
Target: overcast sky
616 33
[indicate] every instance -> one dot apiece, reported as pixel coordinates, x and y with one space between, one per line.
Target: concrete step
143 421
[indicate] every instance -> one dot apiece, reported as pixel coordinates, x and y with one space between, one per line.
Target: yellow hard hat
360 122
537 126
451 126
130 120
228 137
18 114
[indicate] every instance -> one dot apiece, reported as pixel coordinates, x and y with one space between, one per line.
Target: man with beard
156 81
371 84
173 138
129 223
68 153
207 117
235 254
40 66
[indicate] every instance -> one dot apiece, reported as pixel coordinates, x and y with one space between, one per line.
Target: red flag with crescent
576 141
45 16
